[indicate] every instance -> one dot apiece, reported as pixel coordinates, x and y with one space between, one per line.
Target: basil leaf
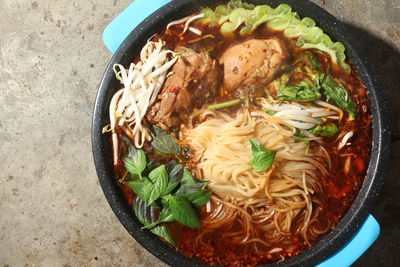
162 231
339 94
261 158
189 184
182 210
165 216
139 187
127 141
199 198
175 172
189 180
163 142
193 189
147 215
157 186
151 165
188 189
135 162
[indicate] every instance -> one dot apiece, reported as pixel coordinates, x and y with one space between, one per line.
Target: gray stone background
52 210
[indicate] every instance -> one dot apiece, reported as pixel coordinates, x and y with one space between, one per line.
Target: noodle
248 204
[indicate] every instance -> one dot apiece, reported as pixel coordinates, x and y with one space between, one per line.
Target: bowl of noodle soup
275 167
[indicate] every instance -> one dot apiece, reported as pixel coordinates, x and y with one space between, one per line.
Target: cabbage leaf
234 14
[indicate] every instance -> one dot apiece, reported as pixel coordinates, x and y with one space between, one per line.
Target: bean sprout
300 116
191 19
195 31
345 138
176 22
142 83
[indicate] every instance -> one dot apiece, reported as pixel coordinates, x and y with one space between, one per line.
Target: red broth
349 164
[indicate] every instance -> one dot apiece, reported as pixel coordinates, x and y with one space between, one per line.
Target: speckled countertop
52 210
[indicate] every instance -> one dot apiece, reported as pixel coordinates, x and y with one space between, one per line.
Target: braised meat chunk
194 80
254 60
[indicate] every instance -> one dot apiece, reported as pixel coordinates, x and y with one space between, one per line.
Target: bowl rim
381 133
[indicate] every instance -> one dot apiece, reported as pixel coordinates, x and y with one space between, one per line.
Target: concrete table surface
52 209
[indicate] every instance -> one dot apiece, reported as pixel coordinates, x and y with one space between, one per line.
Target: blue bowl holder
116 32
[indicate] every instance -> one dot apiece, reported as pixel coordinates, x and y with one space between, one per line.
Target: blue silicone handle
115 34
360 242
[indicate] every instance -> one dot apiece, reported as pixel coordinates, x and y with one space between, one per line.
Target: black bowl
356 215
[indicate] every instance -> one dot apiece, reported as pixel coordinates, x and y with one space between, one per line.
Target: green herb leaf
329 129
193 189
139 187
339 94
279 83
135 162
175 172
163 142
314 62
182 210
146 214
165 216
162 231
190 184
316 130
199 198
261 158
157 184
151 165
299 93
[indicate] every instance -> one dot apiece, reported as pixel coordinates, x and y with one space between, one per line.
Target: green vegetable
157 185
299 134
193 189
269 112
188 181
199 198
147 215
324 43
162 231
299 93
236 13
135 162
261 158
164 193
139 187
222 12
224 104
236 18
280 83
175 173
165 216
163 142
152 187
182 210
314 62
327 130
339 94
